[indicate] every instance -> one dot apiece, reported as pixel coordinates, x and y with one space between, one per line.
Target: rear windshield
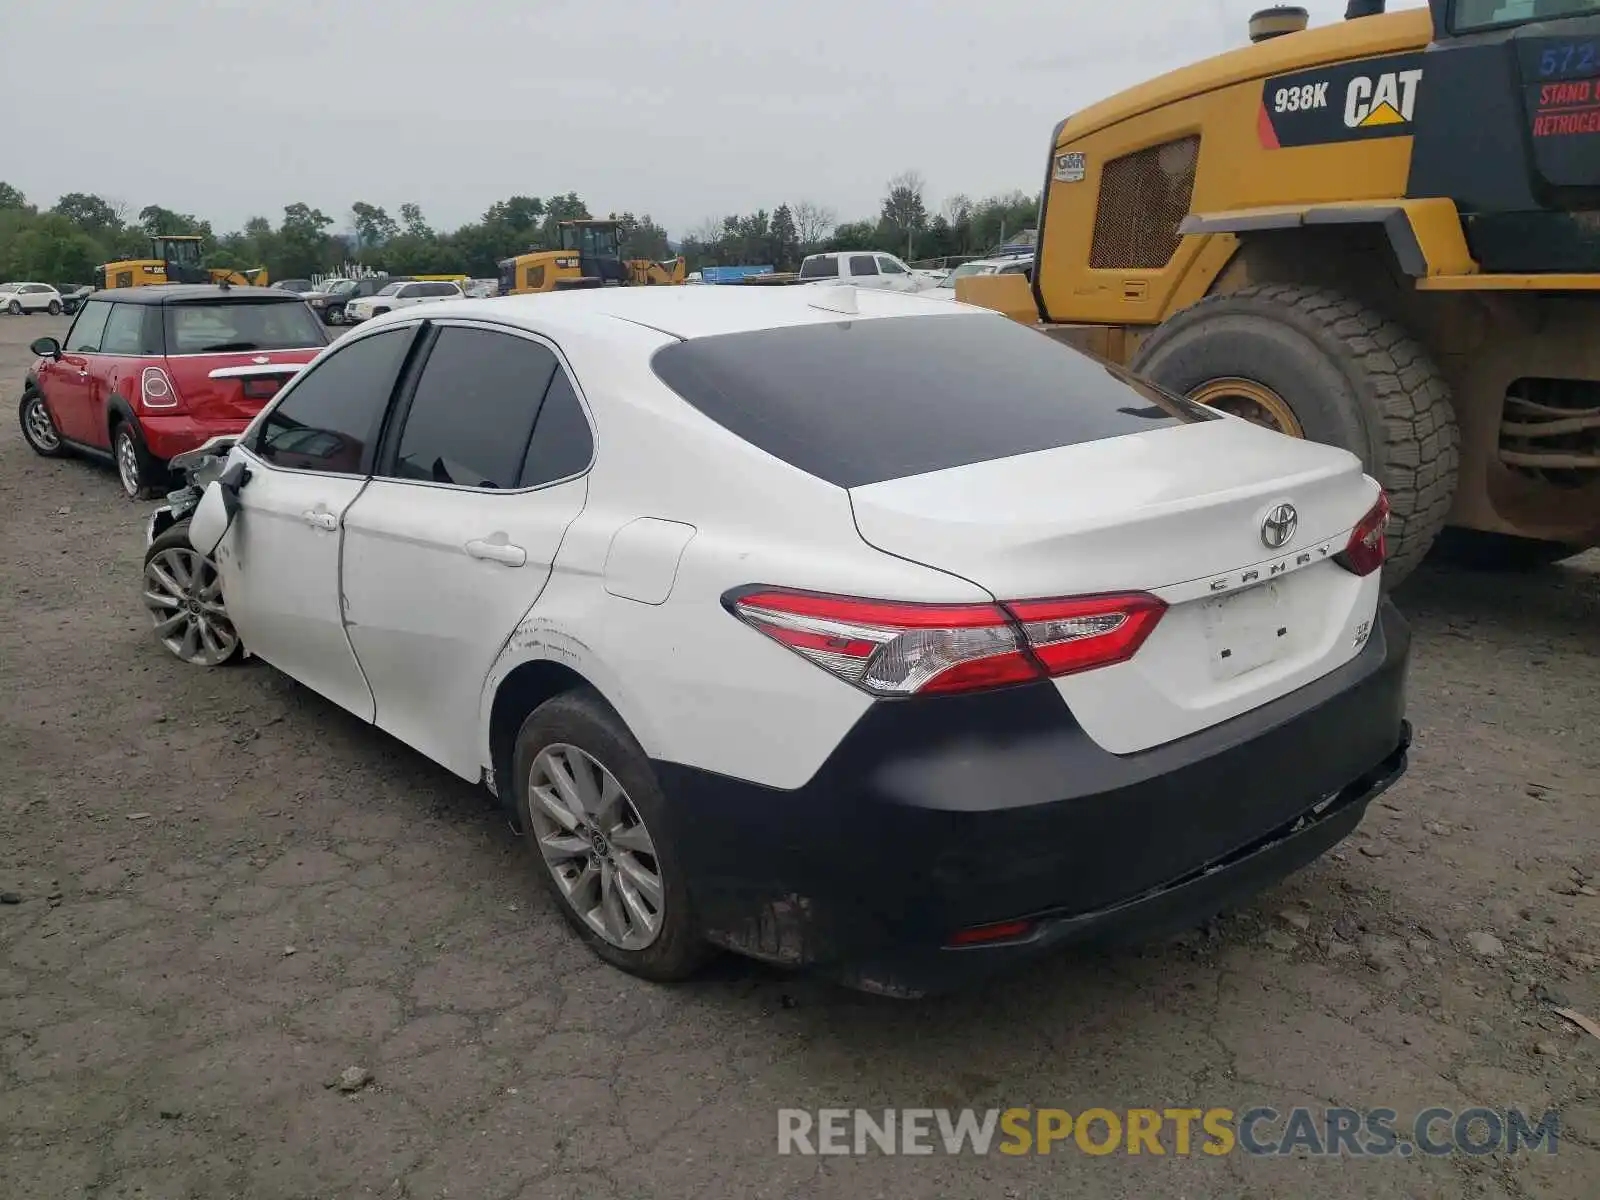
1482 14
241 326
826 267
859 402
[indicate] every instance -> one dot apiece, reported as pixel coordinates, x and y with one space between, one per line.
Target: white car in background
861 268
400 295
945 289
19 298
905 644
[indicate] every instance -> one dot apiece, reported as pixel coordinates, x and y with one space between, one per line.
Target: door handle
497 551
318 519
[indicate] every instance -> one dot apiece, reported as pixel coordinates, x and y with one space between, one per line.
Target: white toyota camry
841 628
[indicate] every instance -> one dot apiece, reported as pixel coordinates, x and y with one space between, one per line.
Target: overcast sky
685 109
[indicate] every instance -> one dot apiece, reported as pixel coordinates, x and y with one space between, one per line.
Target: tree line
65 242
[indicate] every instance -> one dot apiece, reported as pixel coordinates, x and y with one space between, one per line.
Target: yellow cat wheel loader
174 258
1382 233
590 256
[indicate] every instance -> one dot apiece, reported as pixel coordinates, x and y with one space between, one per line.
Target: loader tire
1349 376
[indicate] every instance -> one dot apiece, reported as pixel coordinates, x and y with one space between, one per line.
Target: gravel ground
222 892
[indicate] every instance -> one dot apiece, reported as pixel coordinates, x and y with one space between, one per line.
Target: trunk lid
1177 512
234 386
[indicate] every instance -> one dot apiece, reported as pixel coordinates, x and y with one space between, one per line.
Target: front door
69 384
308 459
451 545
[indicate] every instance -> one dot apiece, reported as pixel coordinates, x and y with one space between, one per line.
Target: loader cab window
1469 16
598 241
182 251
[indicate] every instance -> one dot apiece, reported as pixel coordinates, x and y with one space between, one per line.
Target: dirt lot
227 892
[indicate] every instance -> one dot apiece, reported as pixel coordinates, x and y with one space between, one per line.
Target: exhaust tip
1277 21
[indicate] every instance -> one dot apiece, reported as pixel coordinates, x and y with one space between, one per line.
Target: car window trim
388 445
283 393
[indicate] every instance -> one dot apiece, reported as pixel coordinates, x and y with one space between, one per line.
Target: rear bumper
940 815
166 436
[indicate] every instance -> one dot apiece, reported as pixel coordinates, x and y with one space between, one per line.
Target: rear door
309 458
864 272
482 471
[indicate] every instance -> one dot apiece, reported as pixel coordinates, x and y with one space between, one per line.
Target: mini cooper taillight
1368 545
156 390
895 649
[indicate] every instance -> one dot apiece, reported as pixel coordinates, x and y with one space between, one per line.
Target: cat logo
1391 99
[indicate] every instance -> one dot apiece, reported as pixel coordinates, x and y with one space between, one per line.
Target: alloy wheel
128 464
41 430
183 591
596 846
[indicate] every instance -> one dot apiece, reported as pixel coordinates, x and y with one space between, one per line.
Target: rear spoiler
257 370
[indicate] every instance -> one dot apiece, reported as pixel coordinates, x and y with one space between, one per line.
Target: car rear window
859 402
825 267
242 325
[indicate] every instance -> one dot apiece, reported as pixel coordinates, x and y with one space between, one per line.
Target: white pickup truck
861 268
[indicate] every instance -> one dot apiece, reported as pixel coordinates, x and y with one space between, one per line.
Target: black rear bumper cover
936 815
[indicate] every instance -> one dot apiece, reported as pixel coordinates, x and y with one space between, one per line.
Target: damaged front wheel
183 594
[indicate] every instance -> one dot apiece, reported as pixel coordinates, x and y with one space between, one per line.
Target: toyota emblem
1279 526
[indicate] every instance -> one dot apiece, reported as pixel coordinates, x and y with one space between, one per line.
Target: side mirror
47 347
213 516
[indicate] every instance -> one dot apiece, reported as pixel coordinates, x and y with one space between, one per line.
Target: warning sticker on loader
1348 102
1071 168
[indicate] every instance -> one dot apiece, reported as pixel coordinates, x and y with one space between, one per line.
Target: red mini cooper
146 373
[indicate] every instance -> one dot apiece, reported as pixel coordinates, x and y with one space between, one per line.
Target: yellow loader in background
590 256
1382 234
174 258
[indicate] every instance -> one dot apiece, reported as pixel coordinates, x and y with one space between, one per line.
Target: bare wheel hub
1253 401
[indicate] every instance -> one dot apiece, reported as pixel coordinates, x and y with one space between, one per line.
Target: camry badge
1279 526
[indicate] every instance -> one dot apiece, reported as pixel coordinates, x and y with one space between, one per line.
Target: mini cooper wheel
594 817
38 427
183 594
136 470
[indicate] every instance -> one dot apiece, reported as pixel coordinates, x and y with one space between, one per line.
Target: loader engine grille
1143 197
1551 430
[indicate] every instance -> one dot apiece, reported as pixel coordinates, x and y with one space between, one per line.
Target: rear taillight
894 649
156 390
1368 545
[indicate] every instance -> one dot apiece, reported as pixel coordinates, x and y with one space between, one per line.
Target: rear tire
141 476
1352 378
580 724
1481 551
38 426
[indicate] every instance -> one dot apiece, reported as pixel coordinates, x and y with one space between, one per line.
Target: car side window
409 292
473 409
891 266
84 336
562 443
329 418
863 264
124 332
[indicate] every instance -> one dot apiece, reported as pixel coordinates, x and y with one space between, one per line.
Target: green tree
158 222
558 209
304 247
415 225
374 227
91 214
904 214
785 240
11 198
515 212
641 237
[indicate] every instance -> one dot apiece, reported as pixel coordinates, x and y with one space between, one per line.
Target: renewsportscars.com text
1261 1130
